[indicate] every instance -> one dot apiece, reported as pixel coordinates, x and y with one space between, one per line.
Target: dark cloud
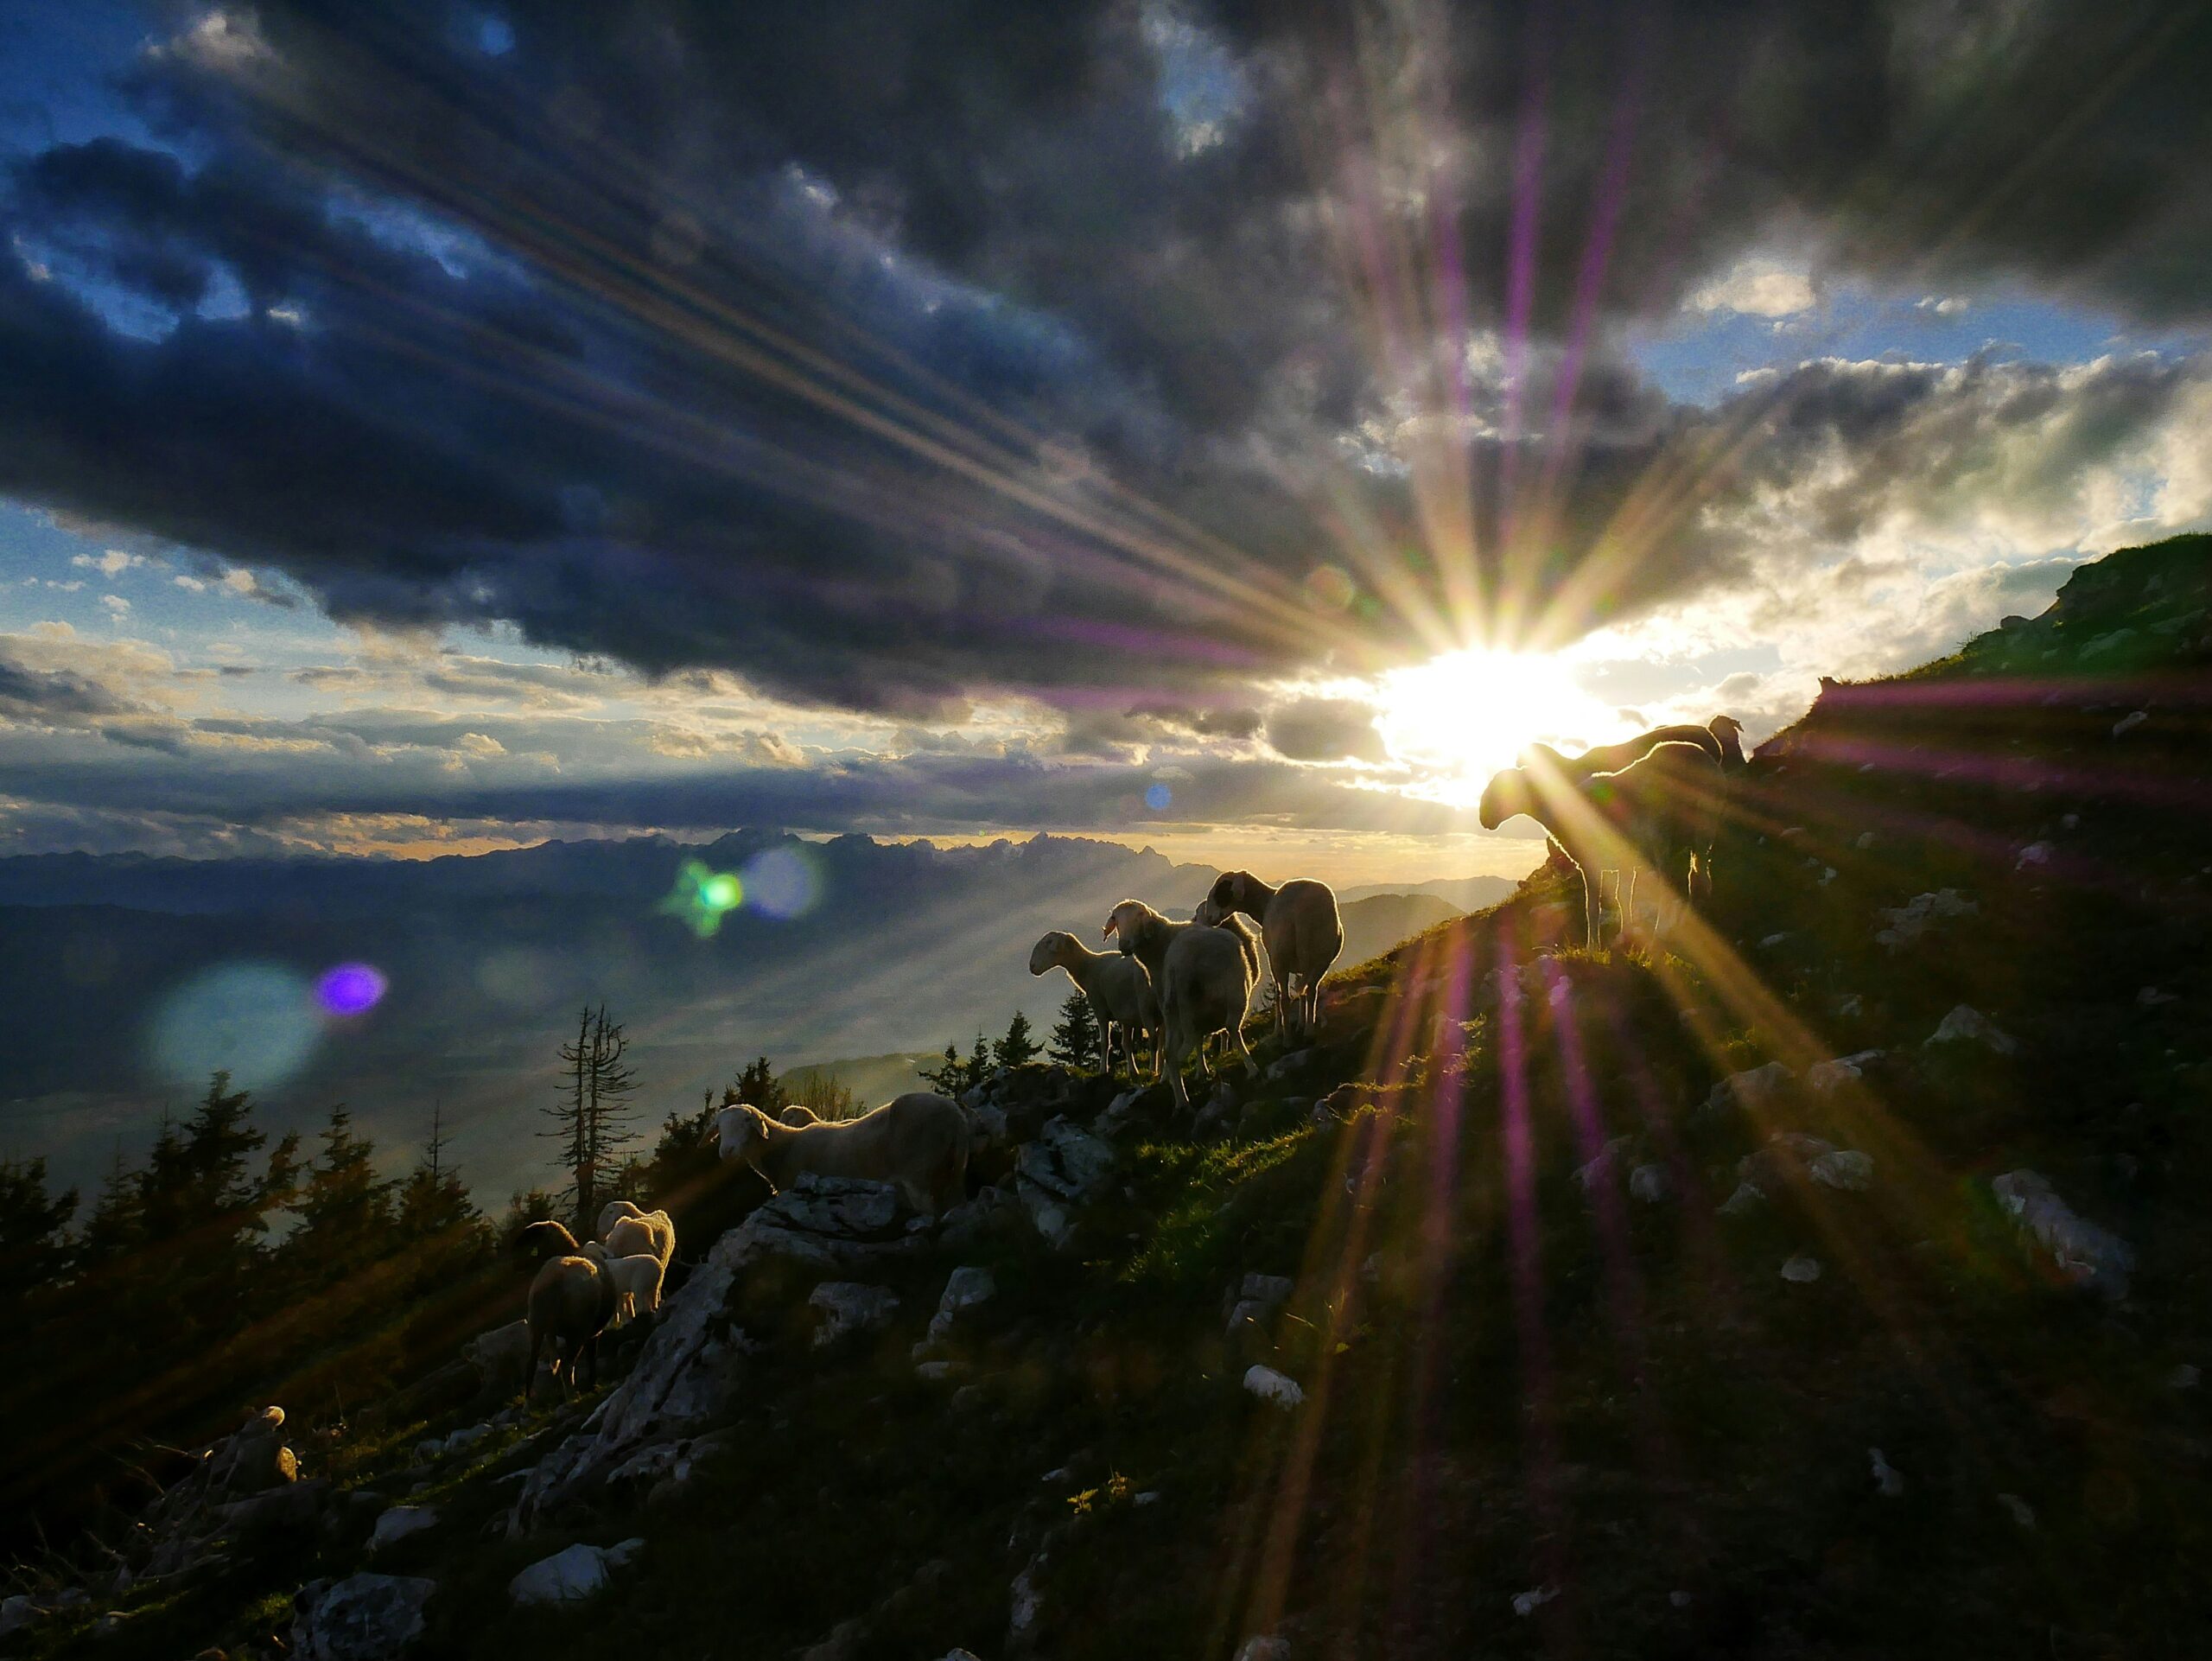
29 693
891 353
1325 729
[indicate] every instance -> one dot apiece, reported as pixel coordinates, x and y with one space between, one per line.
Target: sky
1239 429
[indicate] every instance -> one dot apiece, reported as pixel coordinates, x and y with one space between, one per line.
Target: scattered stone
1802 1270
935 1373
2128 723
847 1306
400 1521
2086 1254
1025 1599
1904 925
1065 1166
362 1618
1968 1025
1264 1649
2018 1509
1773 940
1284 1066
842 1644
2036 853
500 1356
1825 1077
1754 1091
831 1221
1601 1171
1271 1290
1887 1479
1845 1168
1269 1385
1649 1183
16 1614
1679 1600
1748 1198
1527 1603
1849 1005
570 1575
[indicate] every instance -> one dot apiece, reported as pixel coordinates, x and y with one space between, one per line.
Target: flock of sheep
1654 802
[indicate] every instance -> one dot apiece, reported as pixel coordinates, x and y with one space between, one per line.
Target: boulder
1064 1168
16 1613
964 1289
570 1575
500 1356
1825 1077
1605 1169
829 1221
1286 1066
1968 1025
992 1210
2085 1254
1845 1168
847 1306
1278 1388
1649 1183
398 1522
1903 926
362 1618
1802 1270
1753 1091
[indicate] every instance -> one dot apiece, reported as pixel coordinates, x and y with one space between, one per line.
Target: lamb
1204 979
1304 933
571 1300
636 1281
1660 812
917 1142
1119 989
628 1230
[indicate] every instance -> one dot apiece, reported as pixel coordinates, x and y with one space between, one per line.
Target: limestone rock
1059 1172
568 1576
400 1521
1968 1025
362 1618
847 1306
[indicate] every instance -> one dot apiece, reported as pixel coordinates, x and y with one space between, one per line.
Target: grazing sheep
636 1281
797 1114
1304 933
917 1142
1661 812
571 1300
628 1230
1204 978
1118 988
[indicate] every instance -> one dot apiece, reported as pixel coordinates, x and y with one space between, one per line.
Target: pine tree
33 1229
758 1086
345 1211
1018 1047
433 1205
979 1059
950 1076
1075 1038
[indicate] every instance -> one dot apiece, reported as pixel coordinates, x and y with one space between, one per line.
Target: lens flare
781 882
702 897
1157 797
352 988
257 1021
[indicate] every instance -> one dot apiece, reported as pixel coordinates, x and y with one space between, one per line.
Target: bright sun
1468 714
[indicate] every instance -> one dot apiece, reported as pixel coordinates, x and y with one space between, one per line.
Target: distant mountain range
125 977
1462 893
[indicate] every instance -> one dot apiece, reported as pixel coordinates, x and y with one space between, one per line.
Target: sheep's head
1212 912
1127 922
613 1212
1722 724
1508 794
743 1132
1233 891
539 1241
1053 950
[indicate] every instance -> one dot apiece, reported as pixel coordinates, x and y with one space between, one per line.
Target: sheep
1662 811
1729 733
571 1300
628 1230
1304 932
636 1281
1119 989
917 1142
796 1114
1204 979
1248 937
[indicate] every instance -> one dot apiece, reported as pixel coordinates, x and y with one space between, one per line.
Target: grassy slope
1510 1387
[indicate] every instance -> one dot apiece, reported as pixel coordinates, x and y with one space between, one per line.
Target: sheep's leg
529 1378
1237 1037
1171 1048
1590 937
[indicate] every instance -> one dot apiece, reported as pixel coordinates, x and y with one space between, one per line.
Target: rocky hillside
1826 1278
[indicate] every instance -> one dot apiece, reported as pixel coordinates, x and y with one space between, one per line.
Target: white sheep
1660 813
795 1114
636 1281
1118 988
571 1300
627 1231
1304 932
1204 979
1729 732
917 1142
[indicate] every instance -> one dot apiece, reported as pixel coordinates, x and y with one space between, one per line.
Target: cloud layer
895 355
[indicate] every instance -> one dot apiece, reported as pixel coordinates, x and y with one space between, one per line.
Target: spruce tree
1018 1047
950 1076
1075 1040
978 1066
345 1211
